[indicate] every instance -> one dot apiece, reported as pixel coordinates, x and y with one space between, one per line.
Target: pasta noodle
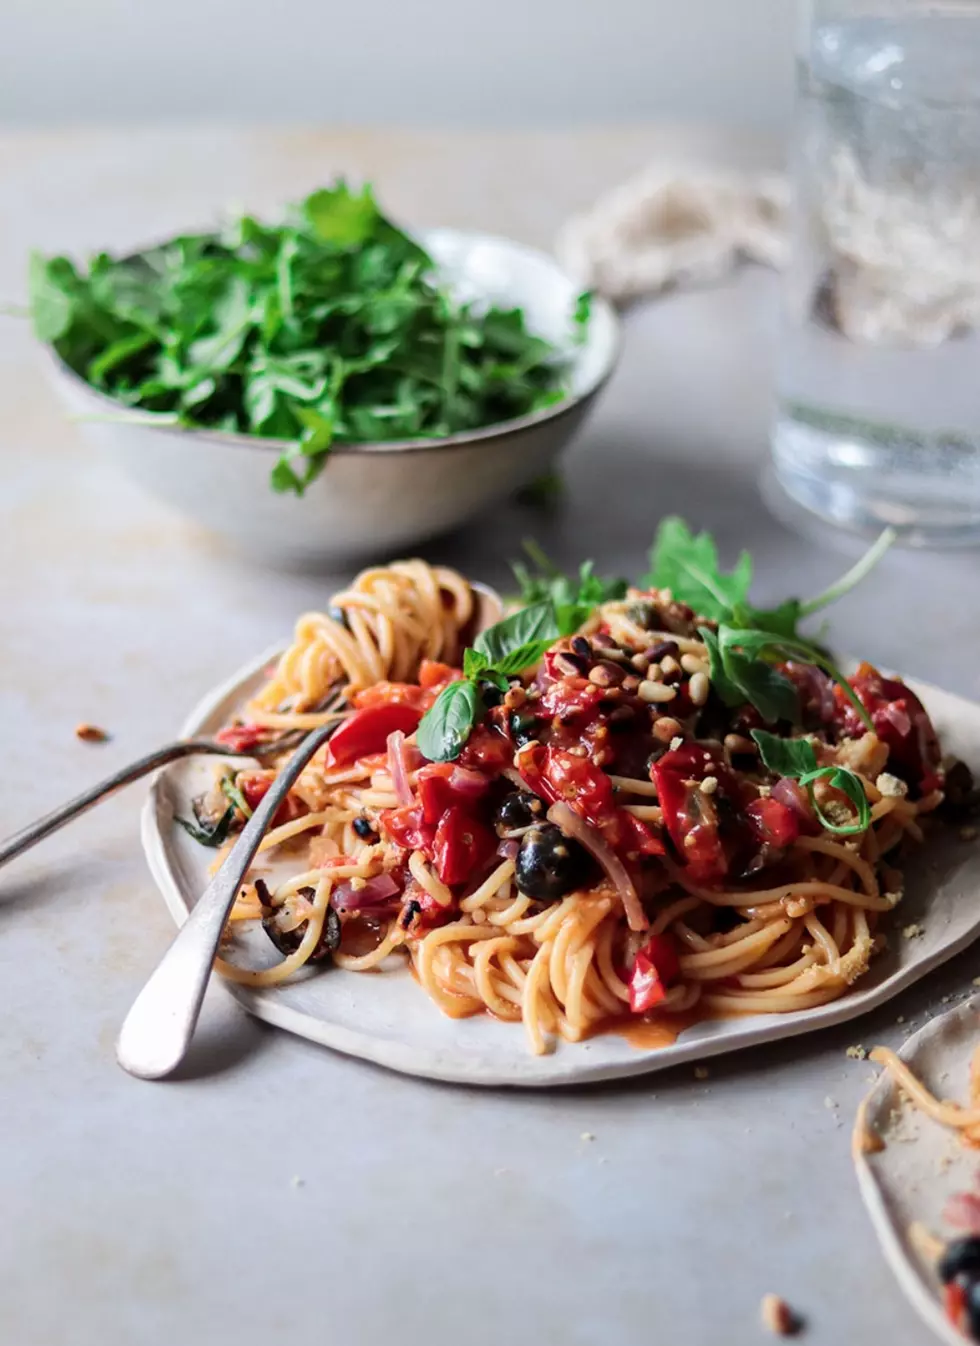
787 920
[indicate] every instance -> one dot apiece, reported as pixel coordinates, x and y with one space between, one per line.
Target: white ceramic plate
386 1018
923 1163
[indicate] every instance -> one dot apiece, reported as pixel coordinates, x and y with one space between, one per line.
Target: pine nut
654 691
669 666
698 688
666 729
690 663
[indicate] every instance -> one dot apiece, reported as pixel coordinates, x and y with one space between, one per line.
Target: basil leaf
446 726
848 783
528 626
785 756
688 566
208 835
523 657
474 663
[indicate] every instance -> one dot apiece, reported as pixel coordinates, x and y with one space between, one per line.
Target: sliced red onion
962 1211
818 686
588 836
396 767
793 795
898 716
509 848
376 892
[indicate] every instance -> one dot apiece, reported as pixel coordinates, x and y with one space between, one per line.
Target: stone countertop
276 1192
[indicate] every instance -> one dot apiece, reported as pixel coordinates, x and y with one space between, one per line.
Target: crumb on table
913 931
778 1317
90 733
857 1052
701 1072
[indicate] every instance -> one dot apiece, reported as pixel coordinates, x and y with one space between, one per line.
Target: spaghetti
607 845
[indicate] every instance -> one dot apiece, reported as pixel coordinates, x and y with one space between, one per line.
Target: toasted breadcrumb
778 1317
90 733
891 787
913 931
857 1053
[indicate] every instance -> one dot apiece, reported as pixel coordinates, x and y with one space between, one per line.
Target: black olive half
962 1256
365 829
517 810
288 941
490 693
549 864
523 728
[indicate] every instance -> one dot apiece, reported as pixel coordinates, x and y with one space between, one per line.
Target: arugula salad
331 327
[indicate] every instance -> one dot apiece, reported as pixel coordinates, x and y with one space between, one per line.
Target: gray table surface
136 1214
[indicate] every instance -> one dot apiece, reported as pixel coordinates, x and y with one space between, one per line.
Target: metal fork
158 1029
34 832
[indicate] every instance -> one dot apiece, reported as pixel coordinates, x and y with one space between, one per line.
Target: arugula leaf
795 757
446 726
234 795
574 601
208 834
51 304
332 326
688 566
785 756
764 642
839 778
740 679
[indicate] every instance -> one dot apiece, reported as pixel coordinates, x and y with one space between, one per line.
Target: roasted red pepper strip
705 827
773 822
242 737
366 731
655 968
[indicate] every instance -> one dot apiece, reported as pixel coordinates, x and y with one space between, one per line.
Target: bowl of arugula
328 385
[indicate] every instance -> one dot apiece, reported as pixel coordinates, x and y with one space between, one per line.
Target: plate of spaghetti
917 1154
621 827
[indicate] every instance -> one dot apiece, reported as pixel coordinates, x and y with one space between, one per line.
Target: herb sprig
795 757
332 327
742 651
498 654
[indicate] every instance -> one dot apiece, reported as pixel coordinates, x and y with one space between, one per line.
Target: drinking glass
877 417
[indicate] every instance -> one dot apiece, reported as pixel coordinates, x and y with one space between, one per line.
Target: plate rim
457 1066
904 1267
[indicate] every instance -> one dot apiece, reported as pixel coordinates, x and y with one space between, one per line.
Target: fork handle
158 1029
34 832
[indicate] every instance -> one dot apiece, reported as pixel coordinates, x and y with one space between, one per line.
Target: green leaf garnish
574 600
330 327
234 795
208 834
795 757
688 566
446 726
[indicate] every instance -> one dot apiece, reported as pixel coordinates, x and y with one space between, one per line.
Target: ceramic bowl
375 498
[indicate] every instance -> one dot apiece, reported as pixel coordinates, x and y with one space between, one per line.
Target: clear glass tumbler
878 390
